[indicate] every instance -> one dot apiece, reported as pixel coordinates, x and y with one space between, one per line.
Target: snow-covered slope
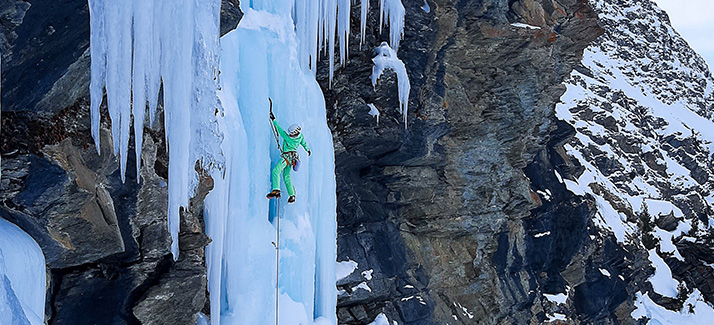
641 106
22 277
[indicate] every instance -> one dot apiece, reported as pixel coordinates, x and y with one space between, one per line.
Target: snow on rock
662 281
539 235
381 319
556 317
641 109
522 25
696 311
368 274
22 277
386 59
363 286
425 7
344 269
556 298
373 111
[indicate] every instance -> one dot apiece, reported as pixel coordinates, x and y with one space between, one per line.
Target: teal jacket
290 143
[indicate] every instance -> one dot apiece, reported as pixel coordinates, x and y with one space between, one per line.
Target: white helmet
294 130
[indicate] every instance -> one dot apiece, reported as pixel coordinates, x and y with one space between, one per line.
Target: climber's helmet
294 130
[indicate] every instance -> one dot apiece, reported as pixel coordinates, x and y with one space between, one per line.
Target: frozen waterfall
22 277
138 45
259 60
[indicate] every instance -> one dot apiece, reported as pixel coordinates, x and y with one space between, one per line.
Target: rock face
439 210
486 210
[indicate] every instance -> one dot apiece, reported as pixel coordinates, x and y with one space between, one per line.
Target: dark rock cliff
440 210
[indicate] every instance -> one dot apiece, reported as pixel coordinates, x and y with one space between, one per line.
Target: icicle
175 42
394 10
98 53
387 59
118 84
364 9
343 28
331 17
143 11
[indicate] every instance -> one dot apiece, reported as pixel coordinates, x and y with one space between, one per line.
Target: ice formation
135 47
272 53
373 111
260 59
364 9
387 59
394 12
22 277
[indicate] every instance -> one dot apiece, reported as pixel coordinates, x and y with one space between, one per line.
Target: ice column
263 58
137 45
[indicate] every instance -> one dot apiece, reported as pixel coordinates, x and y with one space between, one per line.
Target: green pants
284 167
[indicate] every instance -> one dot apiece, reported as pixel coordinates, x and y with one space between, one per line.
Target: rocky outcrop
437 211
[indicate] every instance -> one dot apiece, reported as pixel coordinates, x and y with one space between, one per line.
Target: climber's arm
280 130
303 143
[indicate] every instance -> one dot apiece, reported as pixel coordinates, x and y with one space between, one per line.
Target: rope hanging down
277 229
277 260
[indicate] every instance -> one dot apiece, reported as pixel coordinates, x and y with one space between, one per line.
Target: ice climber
289 158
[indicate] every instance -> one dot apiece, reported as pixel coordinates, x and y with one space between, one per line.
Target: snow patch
363 286
344 269
559 298
605 272
522 25
662 281
555 317
374 112
368 274
542 234
381 319
696 311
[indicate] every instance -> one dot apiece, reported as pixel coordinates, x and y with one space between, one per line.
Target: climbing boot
291 199
274 193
